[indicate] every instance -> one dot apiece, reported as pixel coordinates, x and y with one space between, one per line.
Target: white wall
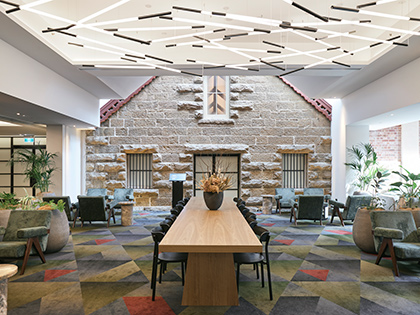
27 79
338 150
396 90
68 143
410 158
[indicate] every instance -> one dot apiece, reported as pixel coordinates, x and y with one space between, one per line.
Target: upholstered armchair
285 198
26 233
396 235
121 194
353 203
308 208
69 208
93 209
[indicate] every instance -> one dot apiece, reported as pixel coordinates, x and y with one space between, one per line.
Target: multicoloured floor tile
315 270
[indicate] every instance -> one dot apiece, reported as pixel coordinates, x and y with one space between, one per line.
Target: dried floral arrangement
215 182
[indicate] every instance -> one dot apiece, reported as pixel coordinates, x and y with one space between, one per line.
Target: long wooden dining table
210 237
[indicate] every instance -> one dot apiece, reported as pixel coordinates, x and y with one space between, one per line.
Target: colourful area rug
315 270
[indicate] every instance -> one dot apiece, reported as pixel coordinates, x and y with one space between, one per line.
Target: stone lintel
216 148
134 148
150 192
296 148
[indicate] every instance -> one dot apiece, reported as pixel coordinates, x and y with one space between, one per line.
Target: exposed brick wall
387 143
267 118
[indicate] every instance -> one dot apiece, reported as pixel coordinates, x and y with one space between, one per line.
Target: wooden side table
126 213
6 271
267 205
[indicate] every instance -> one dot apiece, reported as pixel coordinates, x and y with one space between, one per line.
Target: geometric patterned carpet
315 270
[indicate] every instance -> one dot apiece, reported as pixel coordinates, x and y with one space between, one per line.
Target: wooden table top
199 230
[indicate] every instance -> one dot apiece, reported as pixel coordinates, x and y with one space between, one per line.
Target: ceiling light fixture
373 13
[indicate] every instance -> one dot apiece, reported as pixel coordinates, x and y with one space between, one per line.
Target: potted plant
365 164
408 189
38 167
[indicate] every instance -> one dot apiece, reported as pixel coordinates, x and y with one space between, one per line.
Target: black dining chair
163 258
256 258
166 224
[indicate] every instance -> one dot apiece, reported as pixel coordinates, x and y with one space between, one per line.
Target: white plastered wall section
29 80
68 143
396 90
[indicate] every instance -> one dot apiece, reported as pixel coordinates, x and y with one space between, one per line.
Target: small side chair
93 209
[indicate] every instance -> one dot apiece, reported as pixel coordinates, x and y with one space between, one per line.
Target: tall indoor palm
38 165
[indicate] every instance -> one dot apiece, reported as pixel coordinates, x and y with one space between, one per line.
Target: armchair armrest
32 232
337 204
277 197
129 197
327 198
388 232
2 230
109 197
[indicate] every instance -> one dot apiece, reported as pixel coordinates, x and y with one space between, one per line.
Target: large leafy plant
38 166
365 163
409 187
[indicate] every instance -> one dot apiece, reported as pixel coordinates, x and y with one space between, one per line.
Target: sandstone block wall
267 118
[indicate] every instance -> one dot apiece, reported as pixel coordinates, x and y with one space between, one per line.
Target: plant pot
362 231
59 231
213 200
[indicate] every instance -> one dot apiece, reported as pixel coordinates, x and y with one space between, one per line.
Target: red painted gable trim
112 106
320 105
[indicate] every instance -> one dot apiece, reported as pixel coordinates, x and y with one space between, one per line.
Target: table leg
210 280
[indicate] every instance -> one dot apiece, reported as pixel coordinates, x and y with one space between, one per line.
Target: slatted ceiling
295 170
139 171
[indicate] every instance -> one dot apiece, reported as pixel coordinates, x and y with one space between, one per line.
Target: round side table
126 213
6 271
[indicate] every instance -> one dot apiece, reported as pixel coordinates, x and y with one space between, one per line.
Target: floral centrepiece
215 182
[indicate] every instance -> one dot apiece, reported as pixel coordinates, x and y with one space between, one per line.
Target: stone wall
267 118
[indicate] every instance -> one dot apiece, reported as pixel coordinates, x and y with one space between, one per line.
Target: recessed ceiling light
18 114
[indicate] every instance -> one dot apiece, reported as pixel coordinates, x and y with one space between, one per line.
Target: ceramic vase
213 200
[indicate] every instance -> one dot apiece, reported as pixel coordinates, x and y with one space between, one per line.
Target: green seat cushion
405 250
14 249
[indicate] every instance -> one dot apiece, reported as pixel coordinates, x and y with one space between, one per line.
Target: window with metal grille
217 97
295 170
139 169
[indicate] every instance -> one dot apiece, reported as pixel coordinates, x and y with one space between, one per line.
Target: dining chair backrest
244 211
175 211
157 234
171 217
264 236
166 224
241 207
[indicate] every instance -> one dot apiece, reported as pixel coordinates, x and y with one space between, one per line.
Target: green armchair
121 194
308 208
93 208
353 203
26 233
285 198
396 235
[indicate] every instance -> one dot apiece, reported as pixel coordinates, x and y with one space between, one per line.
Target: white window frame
206 115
